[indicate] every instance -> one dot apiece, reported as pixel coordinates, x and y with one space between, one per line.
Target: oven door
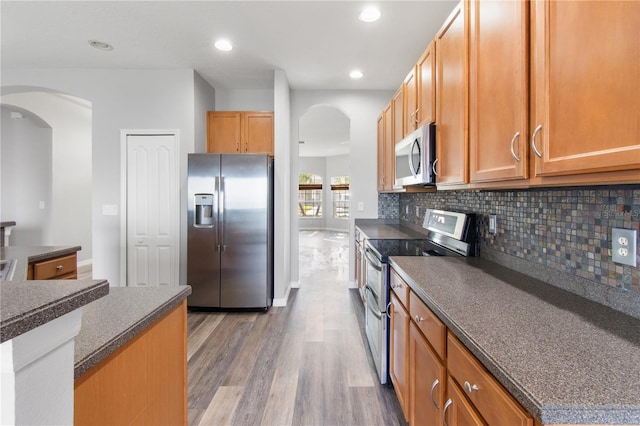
376 323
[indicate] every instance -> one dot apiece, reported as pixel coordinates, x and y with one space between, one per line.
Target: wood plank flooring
304 364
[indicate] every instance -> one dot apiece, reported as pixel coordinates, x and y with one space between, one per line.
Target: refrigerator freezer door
203 259
244 203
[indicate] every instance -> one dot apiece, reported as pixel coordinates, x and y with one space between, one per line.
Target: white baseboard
353 284
283 302
85 262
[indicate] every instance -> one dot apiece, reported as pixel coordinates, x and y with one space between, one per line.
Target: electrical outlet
417 211
623 246
406 209
493 223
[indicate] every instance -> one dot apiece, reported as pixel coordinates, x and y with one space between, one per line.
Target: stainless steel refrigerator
230 231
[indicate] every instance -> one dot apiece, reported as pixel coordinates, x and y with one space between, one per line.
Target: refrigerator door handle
221 210
216 207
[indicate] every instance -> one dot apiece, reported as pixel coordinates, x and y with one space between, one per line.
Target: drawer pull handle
418 319
59 267
436 382
470 388
387 310
444 411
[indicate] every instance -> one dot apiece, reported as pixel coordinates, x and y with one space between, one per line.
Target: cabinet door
382 160
587 86
409 91
398 117
457 410
389 150
426 71
427 381
223 132
498 90
257 133
451 106
398 355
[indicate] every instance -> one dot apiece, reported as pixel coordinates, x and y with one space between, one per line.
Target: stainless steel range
446 234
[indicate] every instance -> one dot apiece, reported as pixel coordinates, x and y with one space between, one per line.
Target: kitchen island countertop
566 359
112 321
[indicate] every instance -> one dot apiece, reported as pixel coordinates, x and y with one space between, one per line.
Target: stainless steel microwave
415 155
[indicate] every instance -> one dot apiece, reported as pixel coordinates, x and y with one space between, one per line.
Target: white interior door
152 210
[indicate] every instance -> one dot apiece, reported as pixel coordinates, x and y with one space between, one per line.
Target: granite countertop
110 322
25 305
564 358
379 229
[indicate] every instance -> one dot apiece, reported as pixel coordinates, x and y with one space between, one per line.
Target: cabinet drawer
432 328
399 287
492 401
59 268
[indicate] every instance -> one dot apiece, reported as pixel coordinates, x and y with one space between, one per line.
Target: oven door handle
372 302
375 263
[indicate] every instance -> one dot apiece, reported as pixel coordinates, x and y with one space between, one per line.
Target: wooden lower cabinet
427 381
59 268
143 382
491 400
398 355
457 409
437 380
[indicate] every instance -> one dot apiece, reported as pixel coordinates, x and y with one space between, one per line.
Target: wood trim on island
143 382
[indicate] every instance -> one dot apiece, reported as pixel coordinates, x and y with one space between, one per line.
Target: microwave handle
414 170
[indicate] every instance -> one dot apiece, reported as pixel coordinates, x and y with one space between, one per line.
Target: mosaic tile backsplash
566 229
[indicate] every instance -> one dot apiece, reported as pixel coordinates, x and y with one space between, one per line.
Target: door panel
152 210
244 226
203 257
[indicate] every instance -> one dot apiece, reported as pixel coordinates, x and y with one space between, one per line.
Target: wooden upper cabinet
586 72
410 94
498 90
223 132
386 158
452 148
235 132
398 117
381 153
258 132
426 74
389 149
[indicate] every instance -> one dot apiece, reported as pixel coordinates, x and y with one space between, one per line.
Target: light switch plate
360 206
493 223
623 246
110 210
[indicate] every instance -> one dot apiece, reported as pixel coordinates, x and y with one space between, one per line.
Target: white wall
204 100
283 176
244 100
121 99
70 203
26 177
337 165
363 108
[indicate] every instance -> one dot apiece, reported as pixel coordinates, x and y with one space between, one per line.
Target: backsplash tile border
558 235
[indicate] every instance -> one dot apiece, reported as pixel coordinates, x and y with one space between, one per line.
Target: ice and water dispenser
204 211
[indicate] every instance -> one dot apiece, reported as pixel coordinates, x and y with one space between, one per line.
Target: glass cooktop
385 248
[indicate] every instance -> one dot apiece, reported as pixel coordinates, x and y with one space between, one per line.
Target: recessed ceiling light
356 74
369 14
224 45
100 45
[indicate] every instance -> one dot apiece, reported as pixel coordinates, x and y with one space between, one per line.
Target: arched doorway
323 192
61 212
